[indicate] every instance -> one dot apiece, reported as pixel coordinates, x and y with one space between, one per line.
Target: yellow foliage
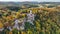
22 32
1 25
37 24
10 32
18 13
29 32
9 18
23 14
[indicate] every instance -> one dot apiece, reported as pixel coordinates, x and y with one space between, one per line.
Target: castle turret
30 11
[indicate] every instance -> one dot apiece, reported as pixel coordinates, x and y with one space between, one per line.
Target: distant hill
17 3
21 3
58 3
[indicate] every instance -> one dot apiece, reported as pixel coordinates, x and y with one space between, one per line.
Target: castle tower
30 17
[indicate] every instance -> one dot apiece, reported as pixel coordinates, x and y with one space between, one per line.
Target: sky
31 0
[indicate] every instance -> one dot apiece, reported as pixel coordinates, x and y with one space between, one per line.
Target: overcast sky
32 0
